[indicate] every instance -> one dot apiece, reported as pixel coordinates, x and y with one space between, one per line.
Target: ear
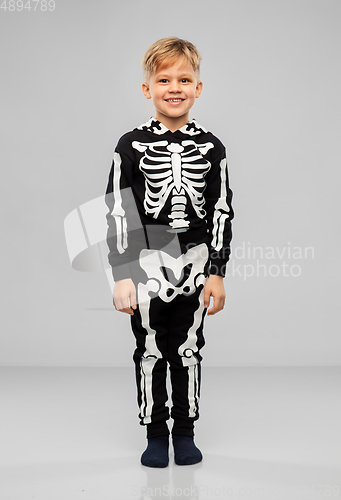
146 91
198 88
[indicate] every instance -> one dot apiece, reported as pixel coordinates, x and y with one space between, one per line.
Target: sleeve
219 214
121 218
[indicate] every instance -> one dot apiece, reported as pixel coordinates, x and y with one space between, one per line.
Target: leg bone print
172 169
152 262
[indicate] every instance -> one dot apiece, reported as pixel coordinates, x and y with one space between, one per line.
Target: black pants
168 327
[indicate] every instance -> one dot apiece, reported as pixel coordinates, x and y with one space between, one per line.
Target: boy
169 238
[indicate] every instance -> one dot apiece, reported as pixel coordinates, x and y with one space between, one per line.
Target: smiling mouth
174 100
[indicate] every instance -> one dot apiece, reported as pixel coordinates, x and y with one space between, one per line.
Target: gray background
71 86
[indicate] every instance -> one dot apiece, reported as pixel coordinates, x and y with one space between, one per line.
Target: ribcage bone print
177 171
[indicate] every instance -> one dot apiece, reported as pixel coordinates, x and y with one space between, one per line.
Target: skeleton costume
169 227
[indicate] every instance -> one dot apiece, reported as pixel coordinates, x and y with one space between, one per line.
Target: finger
218 305
121 304
214 308
209 311
117 304
133 300
207 296
127 310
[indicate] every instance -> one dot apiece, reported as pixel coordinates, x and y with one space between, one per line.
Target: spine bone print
178 200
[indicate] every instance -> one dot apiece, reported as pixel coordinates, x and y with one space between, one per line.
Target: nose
174 86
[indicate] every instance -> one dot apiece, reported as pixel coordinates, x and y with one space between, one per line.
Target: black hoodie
173 181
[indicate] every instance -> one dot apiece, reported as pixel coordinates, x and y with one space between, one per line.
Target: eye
184 80
163 80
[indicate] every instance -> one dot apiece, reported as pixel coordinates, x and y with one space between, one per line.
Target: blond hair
169 50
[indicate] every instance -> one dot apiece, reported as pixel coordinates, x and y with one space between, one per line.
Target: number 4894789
34 5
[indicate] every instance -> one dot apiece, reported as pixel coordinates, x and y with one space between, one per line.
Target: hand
214 287
125 292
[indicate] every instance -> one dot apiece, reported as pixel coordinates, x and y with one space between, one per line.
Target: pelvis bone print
153 262
177 171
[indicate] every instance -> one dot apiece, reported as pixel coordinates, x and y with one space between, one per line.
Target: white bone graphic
118 212
155 126
152 262
221 210
151 354
176 170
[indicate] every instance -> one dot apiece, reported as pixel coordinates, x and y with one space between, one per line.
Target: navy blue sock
156 453
185 451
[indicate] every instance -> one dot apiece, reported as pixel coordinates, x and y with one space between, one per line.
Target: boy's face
173 90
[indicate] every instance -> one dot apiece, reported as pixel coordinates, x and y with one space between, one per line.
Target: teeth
174 100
